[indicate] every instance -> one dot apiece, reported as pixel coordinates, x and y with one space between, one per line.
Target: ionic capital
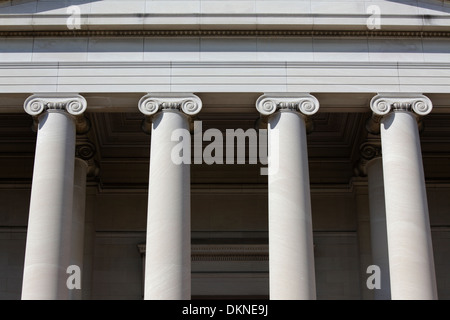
152 103
369 151
383 104
303 103
189 104
74 104
85 150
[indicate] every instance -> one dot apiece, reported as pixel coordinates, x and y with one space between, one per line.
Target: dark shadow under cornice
227 33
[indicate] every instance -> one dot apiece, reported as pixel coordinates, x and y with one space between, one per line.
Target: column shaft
78 220
48 236
168 251
89 242
291 256
409 237
378 226
363 231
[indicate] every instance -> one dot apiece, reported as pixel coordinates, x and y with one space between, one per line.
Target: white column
363 231
89 241
78 212
291 254
168 250
81 224
47 254
411 260
371 152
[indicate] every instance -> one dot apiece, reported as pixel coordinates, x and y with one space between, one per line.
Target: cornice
224 33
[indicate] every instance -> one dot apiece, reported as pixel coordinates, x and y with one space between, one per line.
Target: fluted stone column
373 167
48 244
411 260
168 250
291 255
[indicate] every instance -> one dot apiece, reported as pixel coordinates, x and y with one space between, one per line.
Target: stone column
89 242
168 250
363 232
373 168
291 254
84 152
48 244
411 262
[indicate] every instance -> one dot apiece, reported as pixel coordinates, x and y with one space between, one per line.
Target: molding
229 189
13 229
330 189
225 65
225 252
225 33
101 82
230 252
241 252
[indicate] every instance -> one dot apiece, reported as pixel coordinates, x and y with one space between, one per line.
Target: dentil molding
225 33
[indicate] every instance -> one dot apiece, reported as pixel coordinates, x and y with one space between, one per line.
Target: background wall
119 222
